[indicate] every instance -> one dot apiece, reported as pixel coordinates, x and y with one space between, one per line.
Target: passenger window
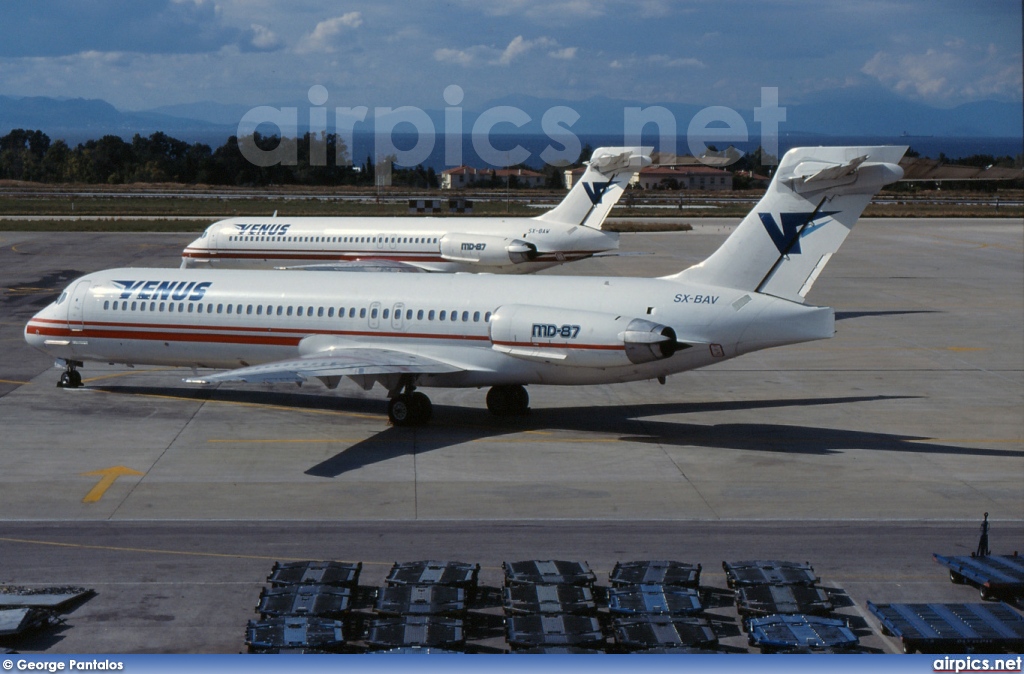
289 311
443 315
487 317
133 306
106 305
259 309
476 316
408 314
430 315
362 313
181 307
419 315
190 307
455 315
238 309
320 312
280 310
373 313
465 316
386 312
330 312
161 307
248 310
220 308
352 312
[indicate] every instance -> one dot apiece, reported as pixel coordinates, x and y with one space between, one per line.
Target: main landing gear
71 377
410 407
508 400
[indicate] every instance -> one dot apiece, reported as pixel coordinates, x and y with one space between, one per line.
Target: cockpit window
63 296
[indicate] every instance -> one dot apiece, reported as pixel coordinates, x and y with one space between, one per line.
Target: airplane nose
47 330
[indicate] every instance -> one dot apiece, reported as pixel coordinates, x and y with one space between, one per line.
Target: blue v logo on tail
786 238
596 190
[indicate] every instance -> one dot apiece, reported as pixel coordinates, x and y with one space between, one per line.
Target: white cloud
263 38
456 56
324 37
519 46
954 73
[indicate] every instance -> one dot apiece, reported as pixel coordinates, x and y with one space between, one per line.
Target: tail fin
815 198
592 197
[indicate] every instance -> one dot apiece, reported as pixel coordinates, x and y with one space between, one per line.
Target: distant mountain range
846 113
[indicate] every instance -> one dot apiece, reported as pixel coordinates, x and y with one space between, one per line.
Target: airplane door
375 315
396 316
381 238
76 306
393 241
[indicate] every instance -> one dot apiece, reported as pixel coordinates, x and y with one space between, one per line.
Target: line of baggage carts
543 606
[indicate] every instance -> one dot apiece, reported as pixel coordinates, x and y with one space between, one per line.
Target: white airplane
570 231
468 330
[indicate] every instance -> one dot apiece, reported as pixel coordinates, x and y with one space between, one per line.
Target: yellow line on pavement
11 381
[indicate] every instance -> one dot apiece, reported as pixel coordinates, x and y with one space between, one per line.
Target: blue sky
140 55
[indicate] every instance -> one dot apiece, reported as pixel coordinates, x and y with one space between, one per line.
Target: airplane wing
338 362
360 266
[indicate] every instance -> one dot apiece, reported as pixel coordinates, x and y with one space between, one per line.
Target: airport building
465 176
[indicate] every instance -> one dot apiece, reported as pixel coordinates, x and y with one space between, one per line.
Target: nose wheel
510 400
71 377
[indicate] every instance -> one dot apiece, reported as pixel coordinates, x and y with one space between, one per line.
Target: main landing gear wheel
70 378
409 409
510 400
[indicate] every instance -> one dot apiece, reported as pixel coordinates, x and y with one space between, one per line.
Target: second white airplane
570 231
405 331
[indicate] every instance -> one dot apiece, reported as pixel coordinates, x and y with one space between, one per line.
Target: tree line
32 156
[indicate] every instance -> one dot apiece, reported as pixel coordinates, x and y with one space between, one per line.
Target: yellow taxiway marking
156 551
11 381
108 477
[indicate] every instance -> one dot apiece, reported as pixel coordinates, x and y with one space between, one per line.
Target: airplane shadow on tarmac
629 423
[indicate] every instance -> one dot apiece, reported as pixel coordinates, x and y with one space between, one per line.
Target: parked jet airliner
406 331
570 231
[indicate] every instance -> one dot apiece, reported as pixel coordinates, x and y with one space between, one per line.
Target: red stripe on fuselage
256 336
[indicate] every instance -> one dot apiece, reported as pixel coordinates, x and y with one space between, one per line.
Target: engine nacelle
578 338
483 249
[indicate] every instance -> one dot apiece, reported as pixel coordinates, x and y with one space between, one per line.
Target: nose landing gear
71 377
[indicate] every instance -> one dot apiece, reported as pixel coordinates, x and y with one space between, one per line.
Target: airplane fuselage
497 245
522 330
